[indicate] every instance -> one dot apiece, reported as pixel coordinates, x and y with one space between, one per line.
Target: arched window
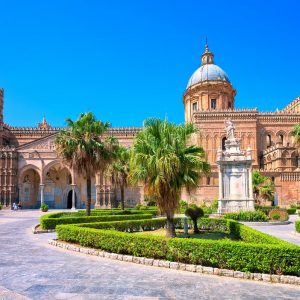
213 103
269 140
223 143
229 105
207 180
280 138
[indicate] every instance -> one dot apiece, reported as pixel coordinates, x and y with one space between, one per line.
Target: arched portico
58 181
29 186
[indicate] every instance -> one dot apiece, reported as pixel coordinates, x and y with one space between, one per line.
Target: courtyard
32 269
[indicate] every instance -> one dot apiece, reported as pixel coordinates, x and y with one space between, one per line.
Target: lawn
180 234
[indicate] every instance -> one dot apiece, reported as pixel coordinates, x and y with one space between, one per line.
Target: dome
208 72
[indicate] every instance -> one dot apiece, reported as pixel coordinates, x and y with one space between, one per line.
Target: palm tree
82 148
263 187
296 133
119 171
163 161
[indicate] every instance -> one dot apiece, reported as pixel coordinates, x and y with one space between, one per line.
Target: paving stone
208 270
275 278
216 271
174 265
199 269
225 272
266 277
127 258
257 276
238 274
190 268
41 271
148 261
182 266
164 263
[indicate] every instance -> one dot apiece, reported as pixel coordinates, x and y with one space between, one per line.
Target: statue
229 128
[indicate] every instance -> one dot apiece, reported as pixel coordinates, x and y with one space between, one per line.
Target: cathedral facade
31 172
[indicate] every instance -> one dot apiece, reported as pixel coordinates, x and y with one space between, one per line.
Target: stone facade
31 171
268 134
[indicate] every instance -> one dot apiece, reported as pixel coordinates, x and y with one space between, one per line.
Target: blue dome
208 72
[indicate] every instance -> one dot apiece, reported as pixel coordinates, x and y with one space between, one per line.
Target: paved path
34 269
284 232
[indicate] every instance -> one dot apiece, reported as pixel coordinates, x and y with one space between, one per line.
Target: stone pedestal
235 178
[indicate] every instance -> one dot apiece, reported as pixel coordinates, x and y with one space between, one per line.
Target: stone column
42 192
220 183
250 183
98 194
73 197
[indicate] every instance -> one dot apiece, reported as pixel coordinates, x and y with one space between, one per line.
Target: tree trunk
196 229
170 230
122 197
89 195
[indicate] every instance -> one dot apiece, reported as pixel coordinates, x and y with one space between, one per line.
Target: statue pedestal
235 178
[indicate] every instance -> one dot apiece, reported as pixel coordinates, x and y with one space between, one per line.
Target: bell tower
208 89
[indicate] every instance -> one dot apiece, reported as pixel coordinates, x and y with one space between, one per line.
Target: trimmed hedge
247 216
297 226
50 222
291 211
257 252
132 225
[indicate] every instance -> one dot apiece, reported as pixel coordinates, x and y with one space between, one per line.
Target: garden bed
252 252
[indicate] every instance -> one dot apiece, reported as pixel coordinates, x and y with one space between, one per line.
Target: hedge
50 222
248 216
132 225
273 257
297 226
291 211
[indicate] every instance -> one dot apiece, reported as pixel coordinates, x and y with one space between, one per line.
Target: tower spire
207 57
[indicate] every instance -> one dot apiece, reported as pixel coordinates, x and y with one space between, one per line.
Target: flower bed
254 252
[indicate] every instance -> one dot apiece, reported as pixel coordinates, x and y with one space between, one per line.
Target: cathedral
32 172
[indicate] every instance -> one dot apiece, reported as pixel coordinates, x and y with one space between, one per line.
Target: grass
180 234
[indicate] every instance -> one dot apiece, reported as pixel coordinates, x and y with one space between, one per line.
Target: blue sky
130 60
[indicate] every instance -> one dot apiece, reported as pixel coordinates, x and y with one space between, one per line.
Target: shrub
247 216
183 205
194 212
275 217
265 209
283 215
49 222
44 207
297 226
1 206
257 252
291 211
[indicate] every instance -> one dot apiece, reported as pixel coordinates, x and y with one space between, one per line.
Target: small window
213 103
207 180
229 105
223 143
195 106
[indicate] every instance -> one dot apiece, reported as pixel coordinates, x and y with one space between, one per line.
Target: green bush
275 217
256 252
1 206
291 211
265 209
247 216
49 222
283 215
297 226
44 207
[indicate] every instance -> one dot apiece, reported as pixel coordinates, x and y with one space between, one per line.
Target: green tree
82 148
162 159
296 133
119 171
263 187
194 212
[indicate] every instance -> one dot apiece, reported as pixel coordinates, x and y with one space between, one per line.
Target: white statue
229 128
